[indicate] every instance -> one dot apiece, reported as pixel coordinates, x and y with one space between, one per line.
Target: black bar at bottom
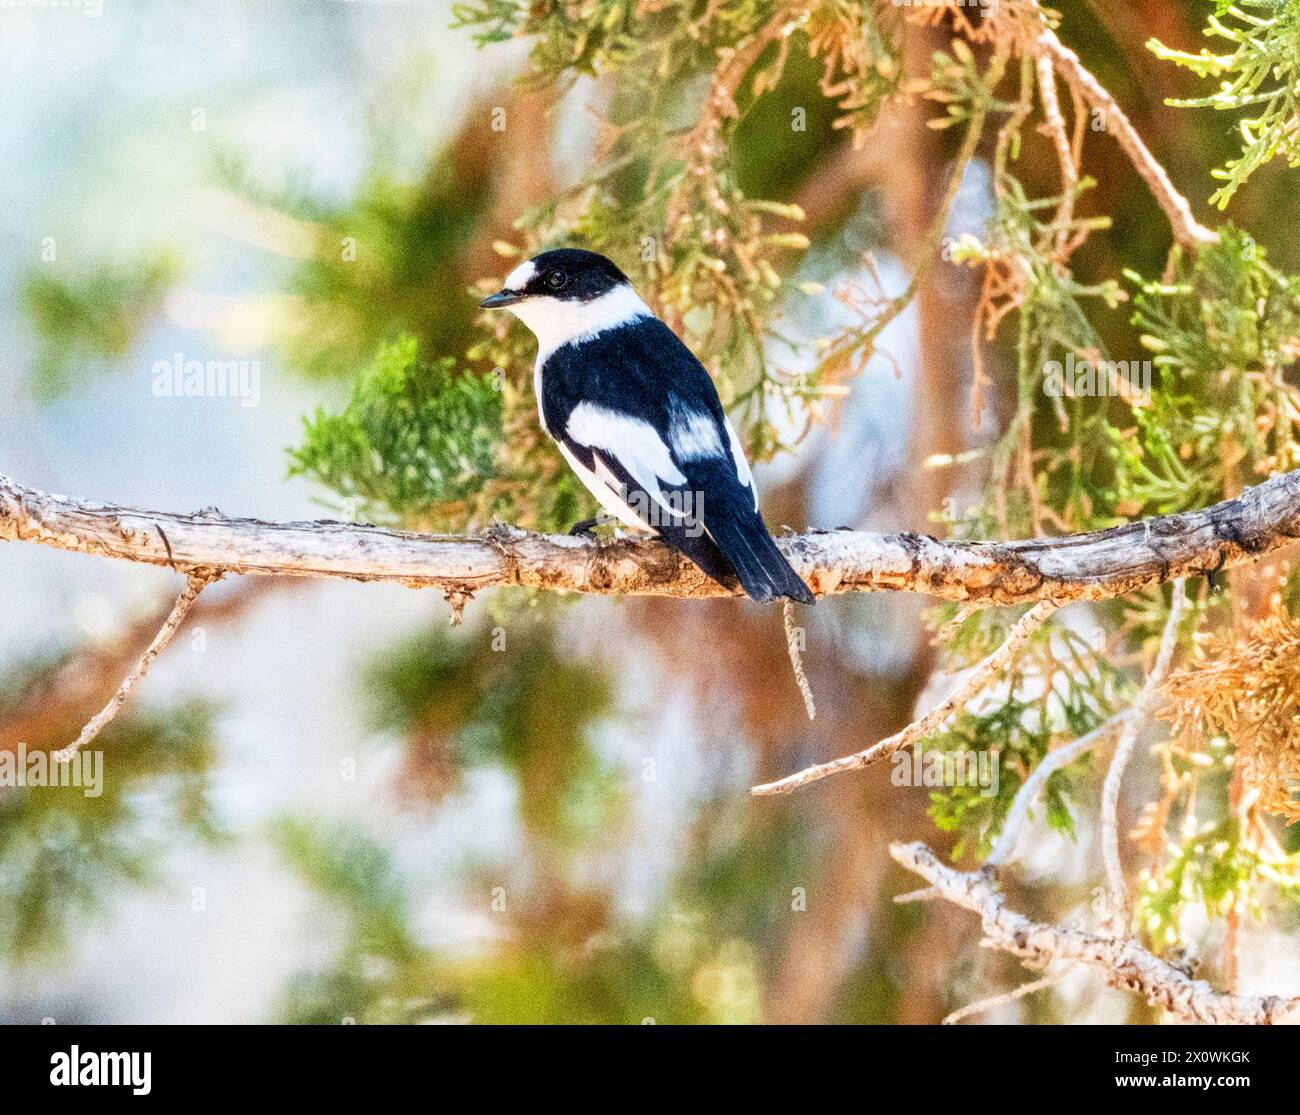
342 1063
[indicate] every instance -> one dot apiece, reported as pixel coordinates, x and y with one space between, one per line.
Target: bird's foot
585 528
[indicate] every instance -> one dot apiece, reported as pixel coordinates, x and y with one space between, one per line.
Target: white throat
555 322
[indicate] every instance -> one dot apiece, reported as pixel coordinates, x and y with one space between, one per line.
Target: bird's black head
565 274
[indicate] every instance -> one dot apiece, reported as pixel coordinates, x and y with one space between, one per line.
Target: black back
643 369
640 368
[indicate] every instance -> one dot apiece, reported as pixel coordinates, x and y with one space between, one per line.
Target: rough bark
1090 566
1126 964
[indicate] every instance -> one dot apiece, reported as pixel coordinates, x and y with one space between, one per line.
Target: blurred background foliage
855 214
65 852
96 316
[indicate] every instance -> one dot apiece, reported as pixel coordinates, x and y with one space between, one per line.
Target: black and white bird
638 418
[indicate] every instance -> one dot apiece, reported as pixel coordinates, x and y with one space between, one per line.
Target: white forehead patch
520 276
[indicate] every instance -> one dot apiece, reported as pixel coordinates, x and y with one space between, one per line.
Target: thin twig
925 894
1061 139
1028 793
1186 228
195 583
1125 963
792 635
948 631
970 687
1142 707
45 703
981 1005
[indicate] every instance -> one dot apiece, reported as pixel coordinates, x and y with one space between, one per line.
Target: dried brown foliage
1245 688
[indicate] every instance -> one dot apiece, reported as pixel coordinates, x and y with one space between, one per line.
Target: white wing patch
632 440
637 447
606 494
693 433
694 436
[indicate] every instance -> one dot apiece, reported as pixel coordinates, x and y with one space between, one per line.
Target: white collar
555 322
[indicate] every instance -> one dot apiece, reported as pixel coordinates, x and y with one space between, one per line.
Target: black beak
501 298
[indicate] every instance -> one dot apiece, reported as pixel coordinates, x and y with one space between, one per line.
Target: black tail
761 568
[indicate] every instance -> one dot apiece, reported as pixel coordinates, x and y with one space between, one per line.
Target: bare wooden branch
52 696
1093 566
1128 721
1055 125
1125 963
195 583
1142 707
1053 761
1187 230
1005 997
971 686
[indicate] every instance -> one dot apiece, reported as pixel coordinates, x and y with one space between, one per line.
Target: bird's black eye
556 280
